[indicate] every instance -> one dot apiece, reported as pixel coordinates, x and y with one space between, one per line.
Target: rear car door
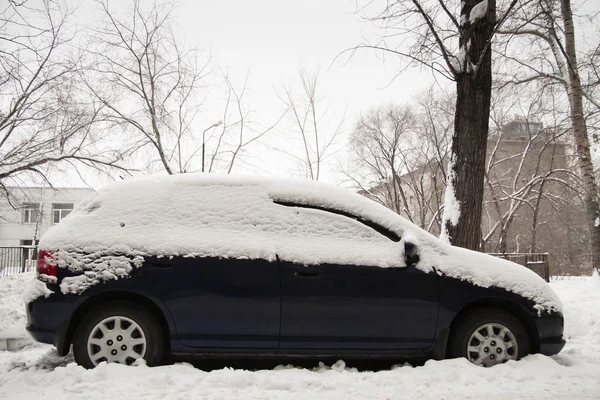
356 305
220 302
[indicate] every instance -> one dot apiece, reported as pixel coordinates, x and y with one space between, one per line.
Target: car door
355 305
221 302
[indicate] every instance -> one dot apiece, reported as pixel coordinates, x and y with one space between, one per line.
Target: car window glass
339 222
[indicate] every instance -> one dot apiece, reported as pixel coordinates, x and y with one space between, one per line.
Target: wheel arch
158 311
508 305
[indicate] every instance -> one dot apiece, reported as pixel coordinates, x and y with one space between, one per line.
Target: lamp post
204 142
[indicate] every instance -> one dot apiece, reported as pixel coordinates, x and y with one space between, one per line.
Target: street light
203 141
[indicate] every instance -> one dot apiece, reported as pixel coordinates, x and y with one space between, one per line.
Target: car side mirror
411 254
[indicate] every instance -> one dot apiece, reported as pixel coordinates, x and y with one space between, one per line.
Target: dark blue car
230 267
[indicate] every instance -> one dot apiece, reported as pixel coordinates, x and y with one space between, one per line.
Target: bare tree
312 122
399 156
146 80
526 172
433 31
236 132
155 90
548 27
45 120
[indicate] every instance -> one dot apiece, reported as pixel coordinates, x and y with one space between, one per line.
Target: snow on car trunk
300 221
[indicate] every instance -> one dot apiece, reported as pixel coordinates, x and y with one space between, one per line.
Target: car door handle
161 263
306 274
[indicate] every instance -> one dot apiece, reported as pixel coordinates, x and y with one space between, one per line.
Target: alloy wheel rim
116 339
492 344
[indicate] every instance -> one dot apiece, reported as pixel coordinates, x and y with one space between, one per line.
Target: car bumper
48 321
551 348
41 336
550 330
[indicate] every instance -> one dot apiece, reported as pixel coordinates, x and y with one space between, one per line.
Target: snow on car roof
202 215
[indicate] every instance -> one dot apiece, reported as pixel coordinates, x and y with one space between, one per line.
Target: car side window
326 222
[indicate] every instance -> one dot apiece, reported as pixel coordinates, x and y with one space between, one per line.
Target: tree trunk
534 220
471 126
503 241
582 144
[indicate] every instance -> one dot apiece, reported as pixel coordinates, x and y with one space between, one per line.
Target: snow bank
35 289
109 233
12 309
582 327
36 372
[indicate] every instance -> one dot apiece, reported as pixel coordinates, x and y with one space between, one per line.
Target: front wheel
489 336
118 332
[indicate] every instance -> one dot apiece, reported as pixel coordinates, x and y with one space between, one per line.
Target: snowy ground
36 372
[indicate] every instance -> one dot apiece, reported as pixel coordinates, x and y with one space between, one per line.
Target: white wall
12 228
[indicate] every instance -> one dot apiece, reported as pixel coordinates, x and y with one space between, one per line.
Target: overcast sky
270 39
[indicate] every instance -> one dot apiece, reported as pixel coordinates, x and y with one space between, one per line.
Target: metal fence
537 262
17 260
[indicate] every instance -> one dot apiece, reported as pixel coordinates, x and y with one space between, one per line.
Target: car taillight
46 268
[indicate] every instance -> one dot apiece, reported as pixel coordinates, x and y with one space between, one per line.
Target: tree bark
471 126
582 143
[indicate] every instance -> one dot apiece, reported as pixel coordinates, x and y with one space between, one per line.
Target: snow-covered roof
200 215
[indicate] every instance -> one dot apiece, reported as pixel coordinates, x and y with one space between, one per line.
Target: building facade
26 213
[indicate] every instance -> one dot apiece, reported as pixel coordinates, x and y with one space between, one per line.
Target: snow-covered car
212 265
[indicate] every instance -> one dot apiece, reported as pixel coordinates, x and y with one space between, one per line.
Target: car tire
118 332
489 336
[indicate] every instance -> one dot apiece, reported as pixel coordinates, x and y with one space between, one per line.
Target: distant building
520 128
27 212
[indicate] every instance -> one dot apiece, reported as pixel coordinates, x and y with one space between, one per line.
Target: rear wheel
489 336
118 332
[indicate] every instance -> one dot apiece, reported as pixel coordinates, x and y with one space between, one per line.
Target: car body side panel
550 328
46 314
220 302
356 307
456 294
546 328
54 315
349 314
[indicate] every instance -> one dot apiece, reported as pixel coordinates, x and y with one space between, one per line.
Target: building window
31 213
60 210
29 249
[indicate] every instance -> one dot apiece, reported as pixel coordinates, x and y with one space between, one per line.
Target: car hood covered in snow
110 232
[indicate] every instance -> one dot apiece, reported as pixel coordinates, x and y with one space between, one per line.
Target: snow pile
96 267
12 309
582 326
217 216
35 289
36 372
478 11
253 218
451 204
458 60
